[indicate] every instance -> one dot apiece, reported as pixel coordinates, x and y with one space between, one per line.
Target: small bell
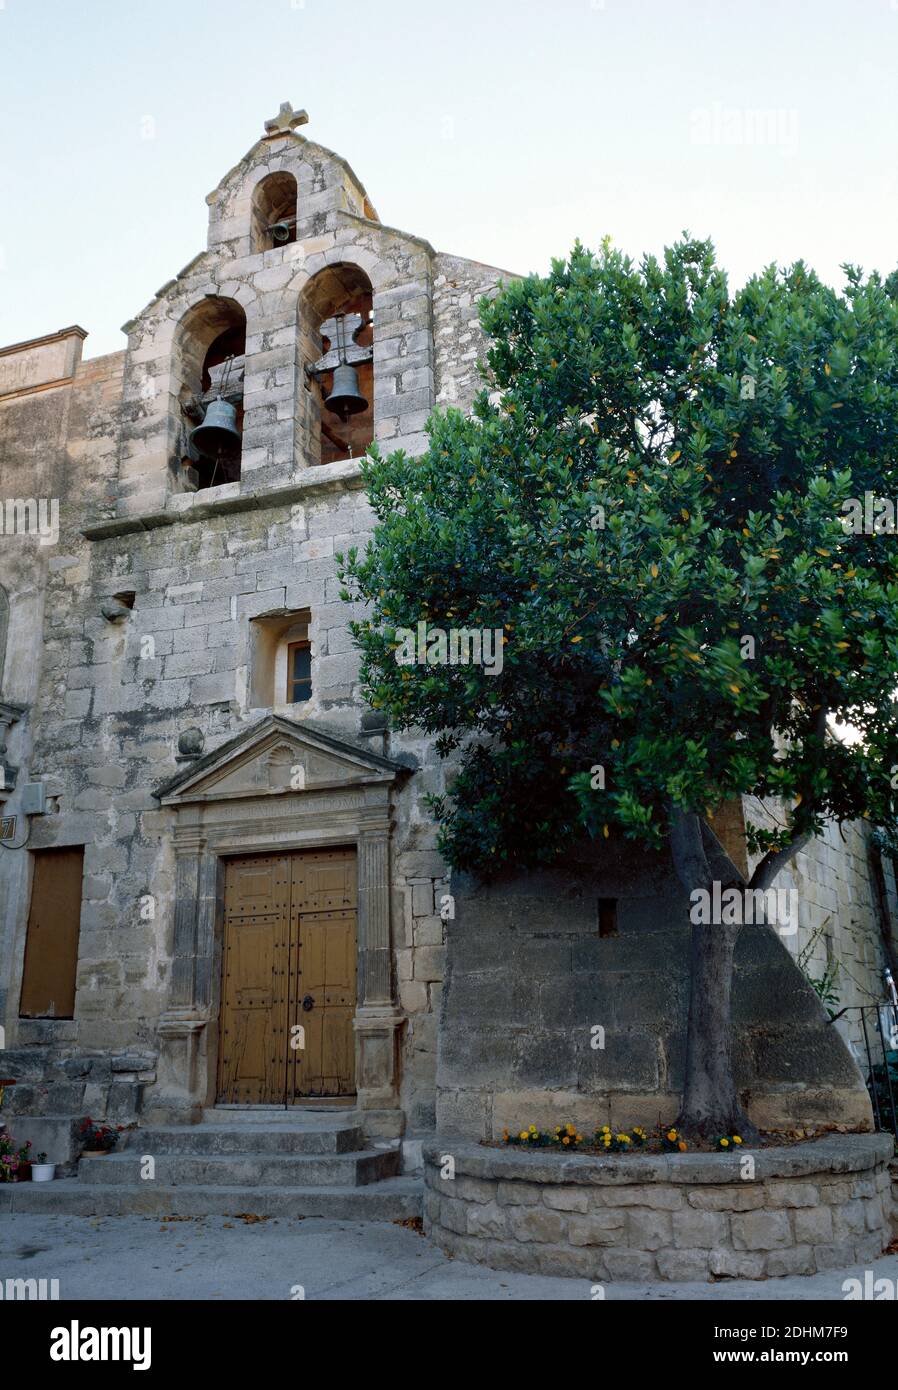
218 435
345 398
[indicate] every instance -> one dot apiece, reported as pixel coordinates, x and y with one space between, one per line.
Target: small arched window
281 665
274 212
4 629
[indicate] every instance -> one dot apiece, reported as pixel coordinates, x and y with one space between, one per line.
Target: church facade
219 883
229 892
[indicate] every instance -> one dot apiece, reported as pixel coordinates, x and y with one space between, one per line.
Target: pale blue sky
499 129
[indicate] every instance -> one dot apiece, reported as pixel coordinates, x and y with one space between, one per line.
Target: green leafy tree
652 501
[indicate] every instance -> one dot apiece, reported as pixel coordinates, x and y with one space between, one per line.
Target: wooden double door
289 978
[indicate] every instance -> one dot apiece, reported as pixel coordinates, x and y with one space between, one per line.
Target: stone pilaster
374 919
377 1021
184 950
180 1030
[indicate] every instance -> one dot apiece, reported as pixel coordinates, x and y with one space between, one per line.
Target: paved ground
133 1257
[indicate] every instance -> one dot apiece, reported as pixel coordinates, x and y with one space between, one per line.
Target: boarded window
51 948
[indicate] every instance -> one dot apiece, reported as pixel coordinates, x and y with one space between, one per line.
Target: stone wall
643 1218
458 287
839 924
57 446
111 704
547 1019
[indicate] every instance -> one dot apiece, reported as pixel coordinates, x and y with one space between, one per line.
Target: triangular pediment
275 758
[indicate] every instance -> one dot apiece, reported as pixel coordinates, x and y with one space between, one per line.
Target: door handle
308 1003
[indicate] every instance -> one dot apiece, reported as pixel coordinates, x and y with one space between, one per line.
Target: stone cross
286 119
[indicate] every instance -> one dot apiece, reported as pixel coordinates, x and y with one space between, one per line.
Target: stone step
295 1116
243 1169
209 1138
394 1199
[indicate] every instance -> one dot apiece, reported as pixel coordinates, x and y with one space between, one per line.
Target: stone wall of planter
812 1207
530 974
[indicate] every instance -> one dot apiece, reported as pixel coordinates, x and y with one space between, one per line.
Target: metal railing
879 1030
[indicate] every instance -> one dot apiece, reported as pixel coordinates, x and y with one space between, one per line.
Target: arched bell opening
274 206
337 348
208 369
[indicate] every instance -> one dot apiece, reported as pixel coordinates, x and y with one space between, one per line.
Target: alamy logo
876 1289
460 646
31 516
733 125
869 516
729 907
77 1343
29 1290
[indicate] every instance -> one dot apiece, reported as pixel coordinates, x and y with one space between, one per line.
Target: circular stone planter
821 1205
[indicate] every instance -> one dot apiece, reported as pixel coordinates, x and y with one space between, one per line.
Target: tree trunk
710 1105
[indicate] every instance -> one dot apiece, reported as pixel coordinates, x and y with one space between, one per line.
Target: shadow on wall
566 998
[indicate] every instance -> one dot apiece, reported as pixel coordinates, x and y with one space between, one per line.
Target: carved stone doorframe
222 808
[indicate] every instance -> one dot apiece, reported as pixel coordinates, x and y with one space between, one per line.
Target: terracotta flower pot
94 1153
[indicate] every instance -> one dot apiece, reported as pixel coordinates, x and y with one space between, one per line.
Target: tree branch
776 859
690 860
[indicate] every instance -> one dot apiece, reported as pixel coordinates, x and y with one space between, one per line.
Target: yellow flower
671 1134
736 1139
523 1134
565 1140
532 1129
724 1143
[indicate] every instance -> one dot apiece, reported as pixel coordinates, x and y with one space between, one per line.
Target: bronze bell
345 398
218 434
280 232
